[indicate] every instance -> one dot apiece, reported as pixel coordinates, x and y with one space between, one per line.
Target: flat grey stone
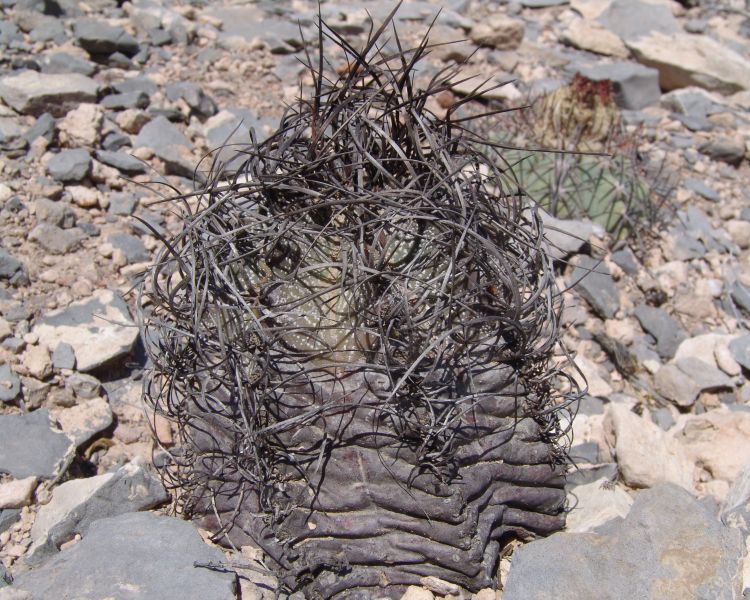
725 149
663 418
671 382
64 357
56 240
9 264
228 132
740 349
136 84
708 377
131 246
631 19
136 99
663 326
10 130
43 127
62 62
84 385
31 447
115 141
33 93
194 96
543 3
626 260
70 166
100 38
669 547
736 509
59 214
9 32
8 516
699 187
135 556
10 384
564 236
740 295
636 86
594 282
51 30
160 135
692 102
98 328
122 203
78 503
121 161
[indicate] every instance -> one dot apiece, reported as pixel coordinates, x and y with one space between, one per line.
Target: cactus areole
354 333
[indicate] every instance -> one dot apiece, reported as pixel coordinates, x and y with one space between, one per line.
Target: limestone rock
594 504
684 60
99 329
31 447
78 503
150 556
670 547
646 455
81 126
594 37
33 93
498 31
17 493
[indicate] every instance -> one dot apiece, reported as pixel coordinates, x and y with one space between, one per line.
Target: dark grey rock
159 37
136 84
166 549
31 447
587 474
9 265
118 60
692 102
9 32
736 509
594 282
740 296
740 349
148 223
115 140
15 311
664 327
626 260
636 86
122 203
76 504
121 161
70 165
172 114
669 547
632 19
100 38
160 135
50 30
228 131
124 101
565 236
59 214
13 345
672 383
694 123
725 149
179 161
57 240
99 328
33 93
64 357
699 187
663 418
5 577
201 104
587 452
131 246
84 386
591 405
62 62
10 130
696 26
8 516
543 3
89 229
44 126
708 377
10 384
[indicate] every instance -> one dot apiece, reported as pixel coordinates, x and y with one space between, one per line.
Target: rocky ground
101 99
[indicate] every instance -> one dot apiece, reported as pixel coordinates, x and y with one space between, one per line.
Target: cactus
354 335
598 174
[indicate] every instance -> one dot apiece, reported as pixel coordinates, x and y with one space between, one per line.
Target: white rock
37 361
83 196
81 126
646 455
17 493
98 328
718 440
598 386
414 592
84 420
440 586
5 193
498 31
594 504
684 60
708 347
594 37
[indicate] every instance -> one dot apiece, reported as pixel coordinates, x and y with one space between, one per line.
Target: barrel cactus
354 334
596 172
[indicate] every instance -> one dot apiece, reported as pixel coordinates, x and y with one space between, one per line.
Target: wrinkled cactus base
357 523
